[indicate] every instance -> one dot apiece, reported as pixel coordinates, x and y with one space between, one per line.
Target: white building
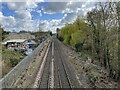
18 40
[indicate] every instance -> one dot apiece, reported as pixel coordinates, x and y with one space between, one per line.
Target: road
57 72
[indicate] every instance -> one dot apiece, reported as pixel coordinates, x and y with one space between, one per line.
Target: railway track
44 82
62 73
55 71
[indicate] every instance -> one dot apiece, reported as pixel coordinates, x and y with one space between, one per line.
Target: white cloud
21 5
68 18
61 7
7 22
70 9
31 4
54 7
1 16
23 14
22 20
16 5
40 12
50 25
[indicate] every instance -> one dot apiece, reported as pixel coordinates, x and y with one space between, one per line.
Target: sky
31 15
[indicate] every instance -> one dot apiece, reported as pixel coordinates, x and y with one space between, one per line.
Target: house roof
13 36
14 40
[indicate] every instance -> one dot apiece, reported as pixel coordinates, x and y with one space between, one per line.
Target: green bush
12 57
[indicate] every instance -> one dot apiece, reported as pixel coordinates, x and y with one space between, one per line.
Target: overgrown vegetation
98 35
3 34
10 58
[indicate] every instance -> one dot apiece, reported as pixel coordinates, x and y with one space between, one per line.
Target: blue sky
45 16
7 12
17 16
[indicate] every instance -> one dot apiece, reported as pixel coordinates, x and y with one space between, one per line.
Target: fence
9 80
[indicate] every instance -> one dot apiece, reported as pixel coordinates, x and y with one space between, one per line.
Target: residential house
16 40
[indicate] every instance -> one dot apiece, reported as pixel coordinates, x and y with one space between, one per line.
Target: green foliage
67 39
74 34
11 57
97 38
75 38
3 34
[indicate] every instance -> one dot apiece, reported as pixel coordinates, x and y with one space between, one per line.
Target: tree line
98 34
